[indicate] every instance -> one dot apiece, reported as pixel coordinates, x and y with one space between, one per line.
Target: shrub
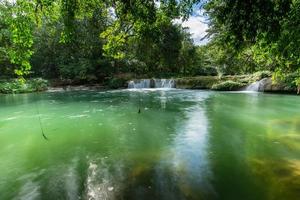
22 86
288 80
199 82
37 84
228 86
12 86
260 75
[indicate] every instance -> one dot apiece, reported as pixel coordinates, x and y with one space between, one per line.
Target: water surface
183 145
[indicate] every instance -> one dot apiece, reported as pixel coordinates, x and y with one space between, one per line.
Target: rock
267 85
152 83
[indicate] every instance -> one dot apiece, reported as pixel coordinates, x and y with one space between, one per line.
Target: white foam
77 116
10 118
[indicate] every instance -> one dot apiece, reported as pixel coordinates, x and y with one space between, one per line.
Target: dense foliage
92 41
99 40
228 86
20 86
256 35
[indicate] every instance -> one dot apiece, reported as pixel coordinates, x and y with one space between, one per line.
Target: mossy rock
199 82
228 86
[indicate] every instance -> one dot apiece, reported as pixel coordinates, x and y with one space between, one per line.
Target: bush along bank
222 83
23 86
228 86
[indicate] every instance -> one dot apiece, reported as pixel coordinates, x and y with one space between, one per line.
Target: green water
183 145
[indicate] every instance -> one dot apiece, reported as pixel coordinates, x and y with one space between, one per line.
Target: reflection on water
163 99
190 152
183 145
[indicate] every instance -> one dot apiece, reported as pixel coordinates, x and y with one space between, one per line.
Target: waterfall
164 83
256 86
151 83
143 83
253 86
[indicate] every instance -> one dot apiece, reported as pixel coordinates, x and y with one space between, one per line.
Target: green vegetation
227 82
116 83
97 41
257 35
21 86
91 41
199 82
228 86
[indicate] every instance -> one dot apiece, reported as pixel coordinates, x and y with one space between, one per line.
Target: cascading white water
164 83
143 83
256 86
151 83
253 86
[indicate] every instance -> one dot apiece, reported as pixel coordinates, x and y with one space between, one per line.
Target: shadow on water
281 178
254 150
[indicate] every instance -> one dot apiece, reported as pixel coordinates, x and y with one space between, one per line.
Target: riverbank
222 83
236 83
259 81
11 86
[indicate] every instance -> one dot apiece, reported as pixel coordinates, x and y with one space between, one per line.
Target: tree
264 32
128 19
5 39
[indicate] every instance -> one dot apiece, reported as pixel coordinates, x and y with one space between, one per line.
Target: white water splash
164 83
253 86
256 86
144 83
151 83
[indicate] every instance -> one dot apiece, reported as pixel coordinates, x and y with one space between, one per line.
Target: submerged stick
139 104
40 121
43 134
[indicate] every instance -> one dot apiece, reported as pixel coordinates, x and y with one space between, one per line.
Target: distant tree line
92 40
252 35
88 41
